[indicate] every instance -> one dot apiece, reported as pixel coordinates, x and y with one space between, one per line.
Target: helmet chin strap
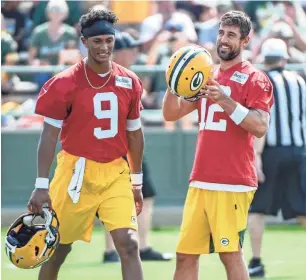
50 237
190 99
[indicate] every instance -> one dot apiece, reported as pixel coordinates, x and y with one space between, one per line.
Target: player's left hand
138 197
213 91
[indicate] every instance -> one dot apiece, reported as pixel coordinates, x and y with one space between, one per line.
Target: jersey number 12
209 123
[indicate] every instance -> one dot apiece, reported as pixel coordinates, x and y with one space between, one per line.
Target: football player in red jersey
95 106
232 110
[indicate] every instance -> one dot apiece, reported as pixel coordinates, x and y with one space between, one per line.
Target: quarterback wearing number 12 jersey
223 178
233 108
224 153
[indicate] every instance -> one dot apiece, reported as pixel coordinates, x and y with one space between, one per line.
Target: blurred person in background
283 31
149 99
153 25
198 10
295 16
70 54
253 8
11 83
281 155
9 56
166 43
8 45
161 34
284 20
125 54
208 30
39 16
87 5
164 46
49 38
14 21
126 49
233 109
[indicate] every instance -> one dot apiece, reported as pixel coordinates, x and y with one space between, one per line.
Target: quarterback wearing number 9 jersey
93 121
95 106
233 108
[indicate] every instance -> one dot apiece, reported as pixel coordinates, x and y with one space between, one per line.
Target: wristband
239 114
42 183
136 180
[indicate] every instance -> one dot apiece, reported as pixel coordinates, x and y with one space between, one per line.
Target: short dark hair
237 18
94 15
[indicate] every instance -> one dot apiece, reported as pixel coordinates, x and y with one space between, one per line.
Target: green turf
284 254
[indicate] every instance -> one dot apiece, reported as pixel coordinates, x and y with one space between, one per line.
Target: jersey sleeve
260 93
52 101
136 106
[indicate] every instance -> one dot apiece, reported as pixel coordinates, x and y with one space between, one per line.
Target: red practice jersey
94 120
225 151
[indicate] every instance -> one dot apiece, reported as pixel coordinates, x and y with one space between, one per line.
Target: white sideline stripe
178 68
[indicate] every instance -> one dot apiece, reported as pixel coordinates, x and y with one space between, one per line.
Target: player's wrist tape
239 114
136 180
42 183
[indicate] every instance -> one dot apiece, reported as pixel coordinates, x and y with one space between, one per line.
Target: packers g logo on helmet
189 70
29 244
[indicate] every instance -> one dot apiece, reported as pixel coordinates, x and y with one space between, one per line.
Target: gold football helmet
29 244
188 71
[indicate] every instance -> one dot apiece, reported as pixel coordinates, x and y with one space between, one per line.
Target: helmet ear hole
36 251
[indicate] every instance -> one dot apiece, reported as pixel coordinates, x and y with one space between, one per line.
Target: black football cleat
111 257
256 269
149 254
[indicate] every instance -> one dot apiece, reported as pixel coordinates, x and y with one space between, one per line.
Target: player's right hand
38 198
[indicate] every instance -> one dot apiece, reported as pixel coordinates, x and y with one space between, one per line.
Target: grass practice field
284 254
